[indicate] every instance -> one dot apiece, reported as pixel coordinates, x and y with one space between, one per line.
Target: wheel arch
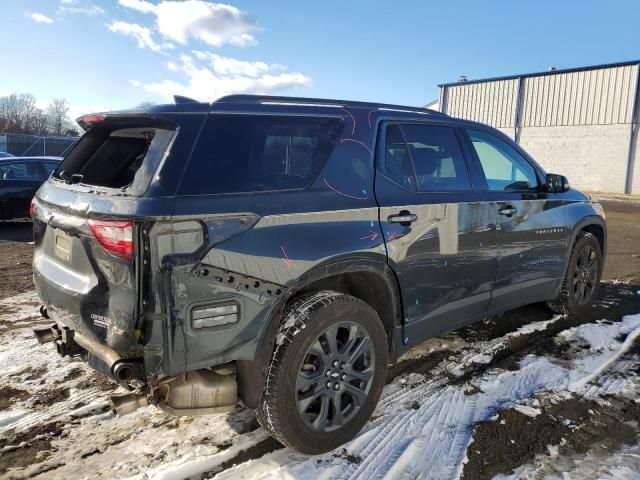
593 224
370 280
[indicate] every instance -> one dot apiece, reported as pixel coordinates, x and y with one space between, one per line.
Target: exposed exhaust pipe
43 335
127 403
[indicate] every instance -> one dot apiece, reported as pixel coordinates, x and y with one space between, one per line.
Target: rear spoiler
125 119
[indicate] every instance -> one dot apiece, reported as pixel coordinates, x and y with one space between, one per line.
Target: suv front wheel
326 374
582 278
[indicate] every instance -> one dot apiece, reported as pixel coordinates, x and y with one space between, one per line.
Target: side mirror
556 183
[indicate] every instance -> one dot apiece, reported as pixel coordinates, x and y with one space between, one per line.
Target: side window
253 153
437 158
48 168
427 158
19 171
504 167
397 163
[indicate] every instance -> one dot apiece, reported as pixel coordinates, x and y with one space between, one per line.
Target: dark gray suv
285 251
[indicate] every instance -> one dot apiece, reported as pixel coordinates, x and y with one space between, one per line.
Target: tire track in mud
392 432
422 404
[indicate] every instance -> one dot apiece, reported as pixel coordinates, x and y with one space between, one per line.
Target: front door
440 236
530 223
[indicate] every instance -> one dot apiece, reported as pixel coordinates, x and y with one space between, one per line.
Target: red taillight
116 237
32 207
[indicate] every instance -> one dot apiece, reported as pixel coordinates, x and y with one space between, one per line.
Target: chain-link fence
35 145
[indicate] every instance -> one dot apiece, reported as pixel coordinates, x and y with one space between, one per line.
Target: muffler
200 392
127 403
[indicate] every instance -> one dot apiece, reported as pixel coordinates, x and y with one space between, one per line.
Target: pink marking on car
372 236
353 129
286 259
395 236
369 117
342 193
357 141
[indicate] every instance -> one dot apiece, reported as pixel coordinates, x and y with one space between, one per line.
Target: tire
586 255
307 378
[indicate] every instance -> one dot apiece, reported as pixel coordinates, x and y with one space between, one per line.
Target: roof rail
319 102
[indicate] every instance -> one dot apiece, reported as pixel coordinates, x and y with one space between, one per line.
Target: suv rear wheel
582 279
327 372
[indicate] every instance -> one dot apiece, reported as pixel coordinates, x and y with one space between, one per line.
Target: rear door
439 233
19 181
530 223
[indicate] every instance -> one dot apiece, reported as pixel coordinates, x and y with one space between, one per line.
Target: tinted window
397 163
437 158
20 171
504 167
425 156
242 153
49 167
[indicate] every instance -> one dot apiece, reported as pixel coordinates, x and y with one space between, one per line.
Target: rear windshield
242 153
113 157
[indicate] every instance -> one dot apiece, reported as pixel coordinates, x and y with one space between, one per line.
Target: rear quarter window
257 153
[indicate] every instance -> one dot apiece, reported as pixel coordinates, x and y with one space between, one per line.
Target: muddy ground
66 432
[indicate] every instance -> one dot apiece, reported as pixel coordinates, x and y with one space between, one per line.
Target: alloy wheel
585 275
335 376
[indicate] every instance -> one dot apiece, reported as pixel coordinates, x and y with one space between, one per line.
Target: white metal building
579 122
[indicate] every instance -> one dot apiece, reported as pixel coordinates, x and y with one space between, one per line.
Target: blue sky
115 54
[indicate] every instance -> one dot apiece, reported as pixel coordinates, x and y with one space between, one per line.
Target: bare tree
58 113
39 123
17 111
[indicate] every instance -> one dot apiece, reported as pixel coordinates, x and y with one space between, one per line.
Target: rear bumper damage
198 392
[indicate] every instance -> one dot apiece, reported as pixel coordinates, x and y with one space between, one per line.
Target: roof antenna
181 99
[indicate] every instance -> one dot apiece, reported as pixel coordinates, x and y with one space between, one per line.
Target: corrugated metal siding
592 97
602 96
493 103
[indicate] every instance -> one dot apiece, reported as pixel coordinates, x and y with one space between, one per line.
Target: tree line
20 114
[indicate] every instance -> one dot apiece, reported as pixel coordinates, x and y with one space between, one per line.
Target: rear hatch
86 222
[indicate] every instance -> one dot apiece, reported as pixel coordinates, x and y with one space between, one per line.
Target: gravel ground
521 395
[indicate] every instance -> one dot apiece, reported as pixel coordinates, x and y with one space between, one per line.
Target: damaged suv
284 251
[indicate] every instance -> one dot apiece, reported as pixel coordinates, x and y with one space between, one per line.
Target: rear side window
425 157
114 157
254 153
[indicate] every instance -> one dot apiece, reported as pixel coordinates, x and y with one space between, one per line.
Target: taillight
116 236
32 207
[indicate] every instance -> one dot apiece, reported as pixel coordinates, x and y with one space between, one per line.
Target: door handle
507 211
404 218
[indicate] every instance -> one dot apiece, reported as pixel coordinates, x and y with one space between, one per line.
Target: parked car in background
20 177
286 250
5 155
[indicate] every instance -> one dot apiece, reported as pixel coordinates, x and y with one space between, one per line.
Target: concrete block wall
592 157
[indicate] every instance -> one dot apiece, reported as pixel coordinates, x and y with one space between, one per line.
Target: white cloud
140 5
87 8
215 24
140 33
38 17
224 75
